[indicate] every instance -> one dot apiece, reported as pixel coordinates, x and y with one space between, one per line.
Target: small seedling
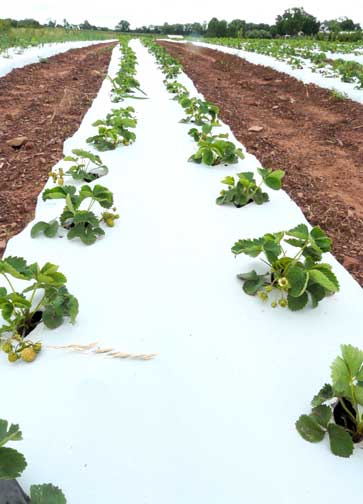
337 408
246 190
113 131
338 95
198 111
294 278
176 89
86 167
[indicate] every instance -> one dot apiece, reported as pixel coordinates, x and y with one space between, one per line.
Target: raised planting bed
212 418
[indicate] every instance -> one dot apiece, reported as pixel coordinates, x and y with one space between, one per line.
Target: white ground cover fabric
18 57
305 75
211 419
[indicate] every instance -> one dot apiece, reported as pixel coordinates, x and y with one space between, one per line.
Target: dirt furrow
44 103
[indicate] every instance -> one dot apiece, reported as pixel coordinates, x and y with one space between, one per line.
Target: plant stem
38 305
7 279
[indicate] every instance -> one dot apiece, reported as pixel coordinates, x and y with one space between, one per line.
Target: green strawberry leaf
301 232
341 377
252 248
320 239
325 394
353 358
12 463
46 494
322 414
252 282
325 279
309 429
272 250
272 178
298 279
11 434
341 443
297 303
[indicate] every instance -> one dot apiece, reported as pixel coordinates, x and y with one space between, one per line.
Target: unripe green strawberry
12 357
37 346
7 347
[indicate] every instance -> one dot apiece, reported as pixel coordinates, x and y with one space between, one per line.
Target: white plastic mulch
211 419
305 75
18 57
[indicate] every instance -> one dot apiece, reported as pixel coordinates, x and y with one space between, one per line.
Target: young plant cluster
302 53
337 408
212 149
44 298
293 278
125 84
86 167
114 130
77 218
13 464
244 190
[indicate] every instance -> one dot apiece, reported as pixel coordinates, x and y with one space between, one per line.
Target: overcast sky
144 12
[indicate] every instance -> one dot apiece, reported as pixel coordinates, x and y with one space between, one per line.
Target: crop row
298 55
335 409
45 298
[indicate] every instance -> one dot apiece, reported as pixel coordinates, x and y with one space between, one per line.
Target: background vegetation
295 22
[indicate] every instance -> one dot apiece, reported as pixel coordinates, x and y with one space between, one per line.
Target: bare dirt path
315 138
45 103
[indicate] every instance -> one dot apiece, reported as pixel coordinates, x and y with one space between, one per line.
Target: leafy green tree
212 27
87 26
123 26
217 28
236 28
197 29
296 20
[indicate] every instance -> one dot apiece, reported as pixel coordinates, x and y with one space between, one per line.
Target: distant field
26 37
331 59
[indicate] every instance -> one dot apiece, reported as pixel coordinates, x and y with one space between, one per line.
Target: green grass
27 37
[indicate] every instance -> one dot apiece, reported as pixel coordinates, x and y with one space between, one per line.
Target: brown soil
316 139
44 102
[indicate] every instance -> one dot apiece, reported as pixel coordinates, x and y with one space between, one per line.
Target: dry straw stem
92 348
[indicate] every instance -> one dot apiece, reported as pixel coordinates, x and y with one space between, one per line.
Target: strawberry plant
12 465
177 89
246 190
46 300
113 131
213 151
294 278
199 111
170 67
86 167
337 408
78 220
125 84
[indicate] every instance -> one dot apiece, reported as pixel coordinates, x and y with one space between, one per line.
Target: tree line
293 22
